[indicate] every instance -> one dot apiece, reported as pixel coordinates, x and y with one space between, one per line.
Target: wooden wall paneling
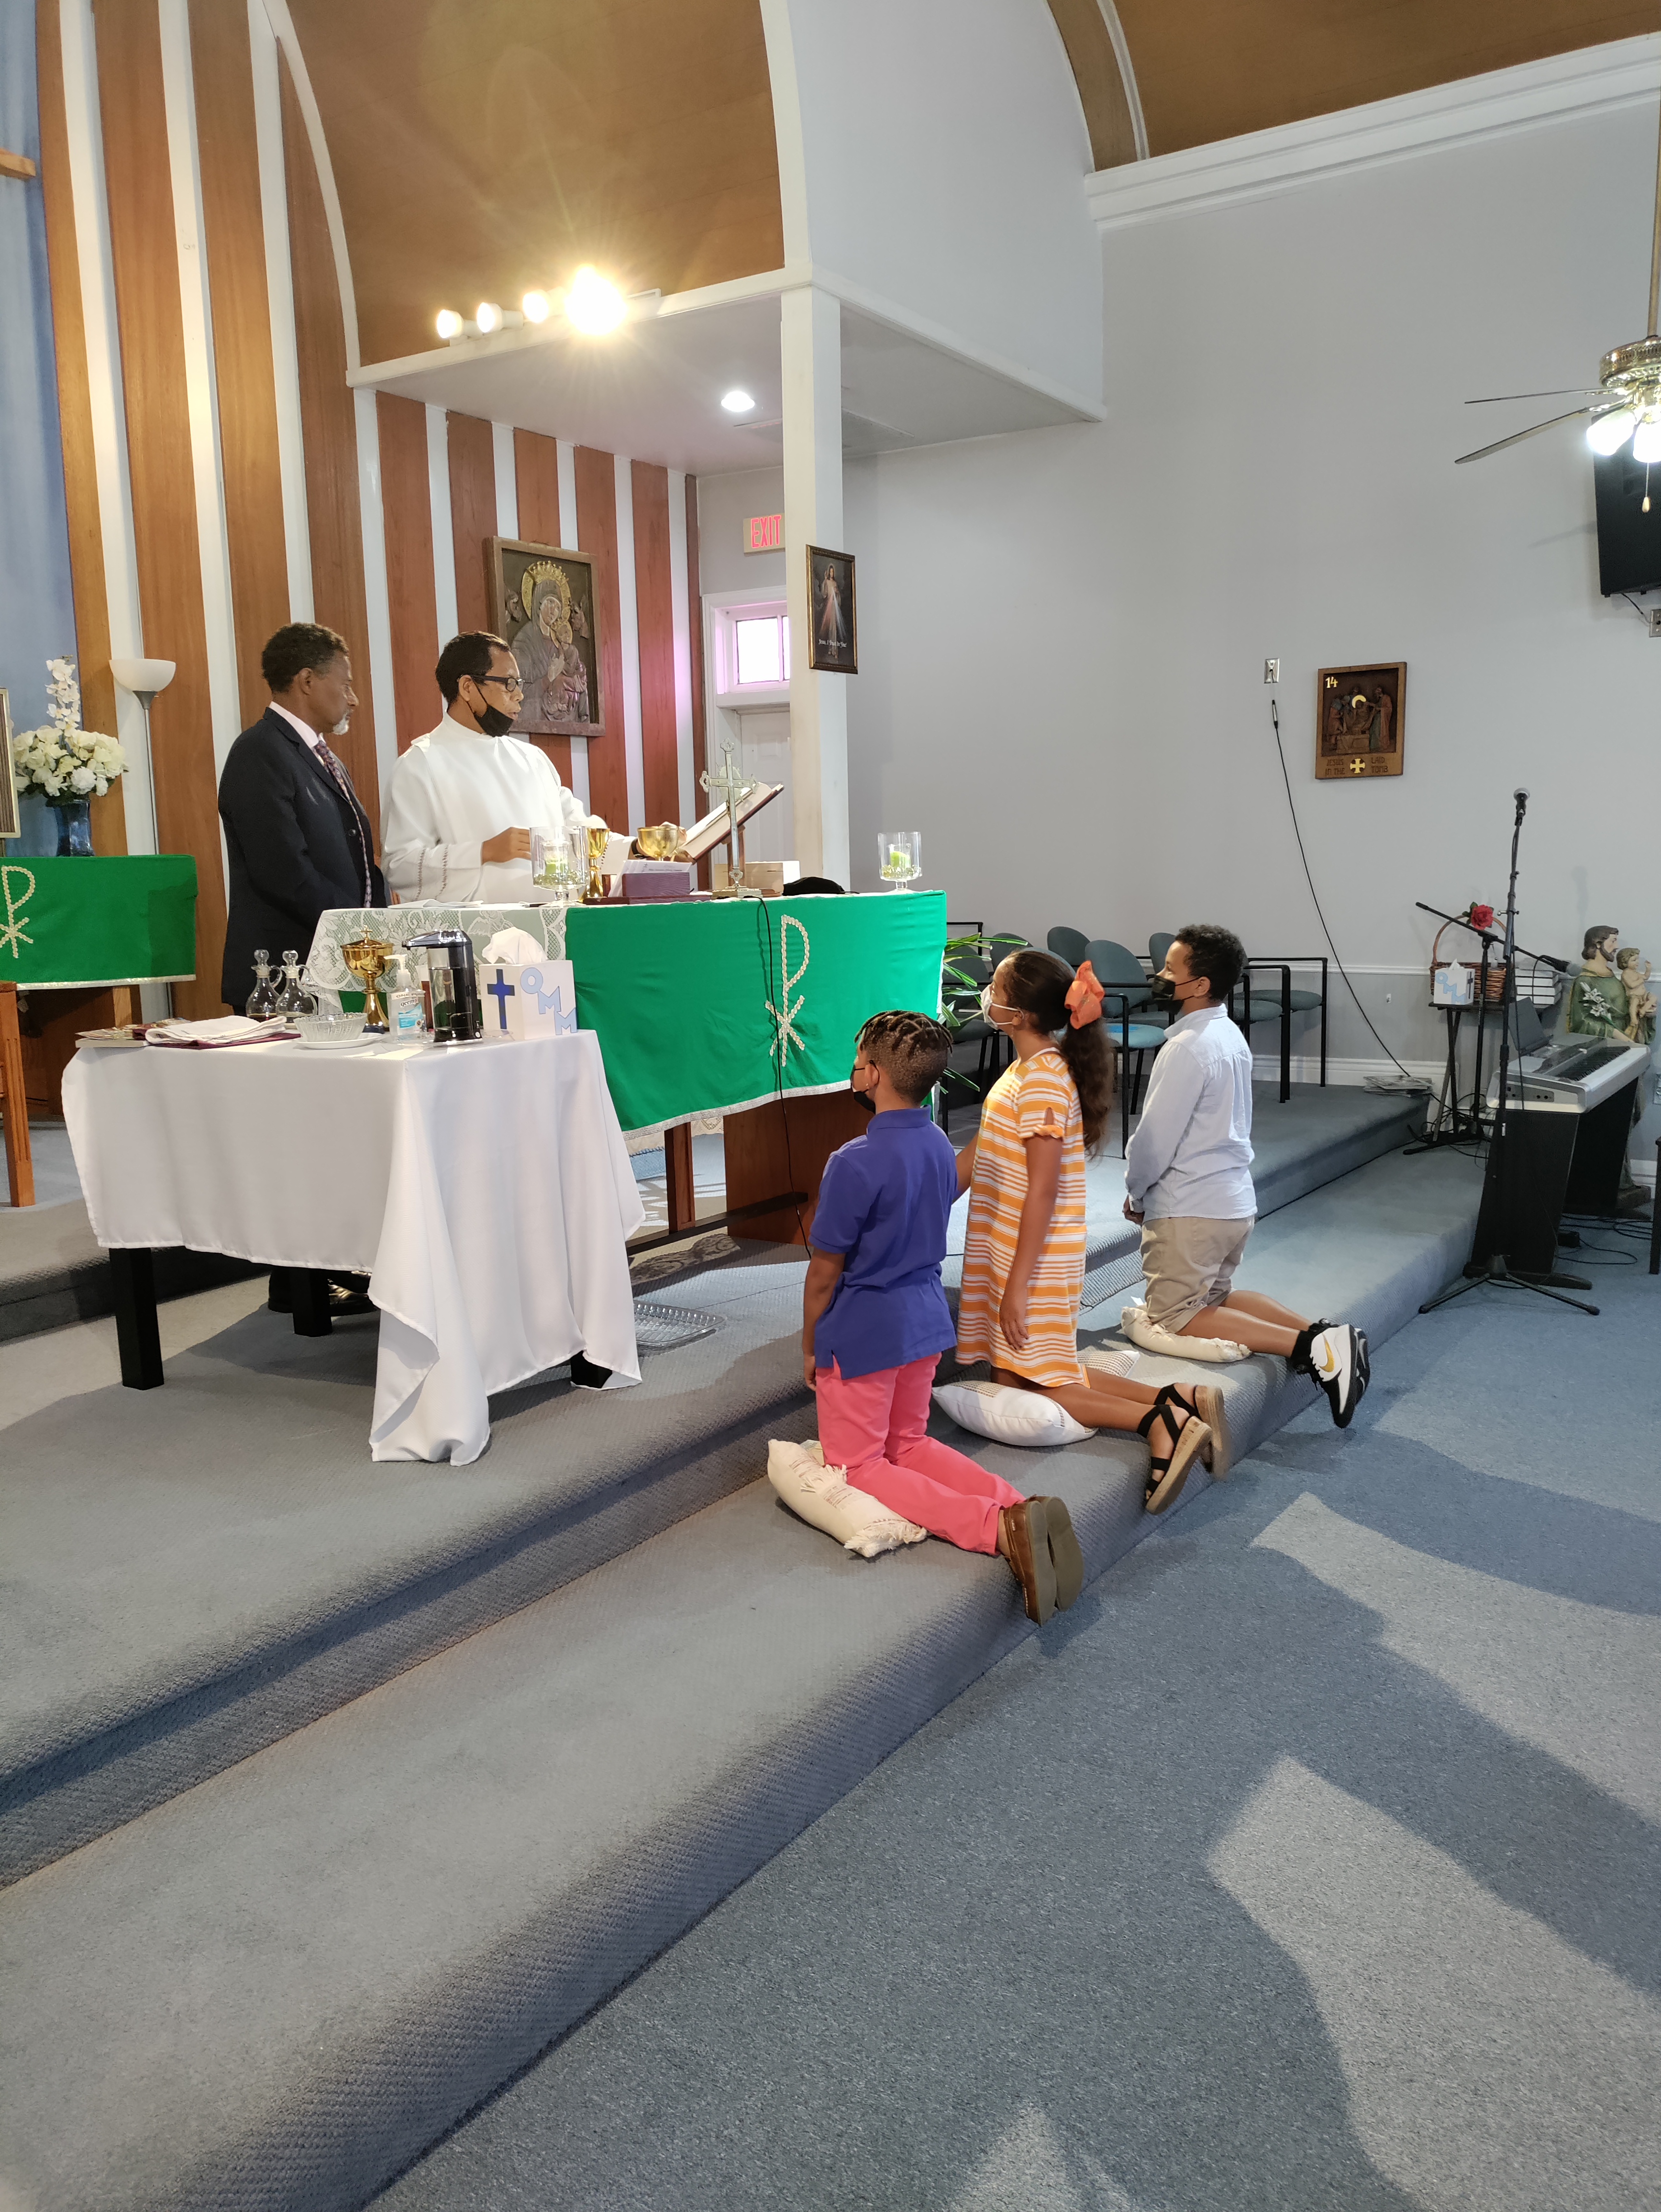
328 426
244 371
91 616
695 630
654 607
406 506
472 516
766 1145
597 534
151 319
536 479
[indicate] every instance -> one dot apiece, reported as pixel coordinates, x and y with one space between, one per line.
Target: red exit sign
763 533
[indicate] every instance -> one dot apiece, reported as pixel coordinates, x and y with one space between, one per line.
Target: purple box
663 879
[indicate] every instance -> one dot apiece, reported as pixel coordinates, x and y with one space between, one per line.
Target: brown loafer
1065 1556
1025 1532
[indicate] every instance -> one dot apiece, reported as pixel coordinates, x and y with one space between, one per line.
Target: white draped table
485 1190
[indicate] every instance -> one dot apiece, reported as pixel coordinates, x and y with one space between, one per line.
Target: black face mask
862 1099
1164 992
493 721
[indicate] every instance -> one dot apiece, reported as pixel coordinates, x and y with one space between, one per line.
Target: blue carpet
1310 1862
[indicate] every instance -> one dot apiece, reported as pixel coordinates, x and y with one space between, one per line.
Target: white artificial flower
82 779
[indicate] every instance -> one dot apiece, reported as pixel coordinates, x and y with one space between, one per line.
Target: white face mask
990 1012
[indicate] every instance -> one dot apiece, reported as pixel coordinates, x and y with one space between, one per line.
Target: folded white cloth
218 1029
514 948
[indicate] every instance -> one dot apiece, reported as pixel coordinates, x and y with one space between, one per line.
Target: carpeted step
290 1979
53 1272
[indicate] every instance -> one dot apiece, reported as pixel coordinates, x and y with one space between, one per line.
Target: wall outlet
1272 668
1654 614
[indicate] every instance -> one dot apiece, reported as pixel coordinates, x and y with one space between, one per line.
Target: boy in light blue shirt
1188 1183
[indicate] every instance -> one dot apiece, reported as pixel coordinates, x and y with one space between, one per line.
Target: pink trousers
874 1425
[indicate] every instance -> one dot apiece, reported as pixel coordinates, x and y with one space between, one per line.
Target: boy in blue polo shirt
875 1322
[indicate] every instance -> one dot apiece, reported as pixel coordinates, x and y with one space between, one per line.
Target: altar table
78 926
485 1190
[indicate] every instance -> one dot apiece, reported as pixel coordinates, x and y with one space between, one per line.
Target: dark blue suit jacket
293 853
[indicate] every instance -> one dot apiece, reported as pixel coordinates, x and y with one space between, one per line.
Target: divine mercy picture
542 602
1358 728
833 629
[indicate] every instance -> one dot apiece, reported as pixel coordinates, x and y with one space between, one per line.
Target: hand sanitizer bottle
262 1001
406 1008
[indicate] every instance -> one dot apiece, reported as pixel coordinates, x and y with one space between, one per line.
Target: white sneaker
1339 1362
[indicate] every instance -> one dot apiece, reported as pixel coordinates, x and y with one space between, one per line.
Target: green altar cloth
694 1004
129 919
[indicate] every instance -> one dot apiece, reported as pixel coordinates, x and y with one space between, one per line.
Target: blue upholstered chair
1125 986
1068 944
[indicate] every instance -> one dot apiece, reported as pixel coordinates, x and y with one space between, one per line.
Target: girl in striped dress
1023 1250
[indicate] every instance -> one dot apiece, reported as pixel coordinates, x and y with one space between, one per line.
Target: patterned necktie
336 769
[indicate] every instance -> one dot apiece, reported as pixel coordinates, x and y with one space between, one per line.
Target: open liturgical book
703 837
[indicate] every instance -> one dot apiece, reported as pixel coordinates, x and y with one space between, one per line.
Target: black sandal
1204 1401
1166 1475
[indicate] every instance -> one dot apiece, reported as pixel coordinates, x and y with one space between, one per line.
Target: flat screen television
1628 540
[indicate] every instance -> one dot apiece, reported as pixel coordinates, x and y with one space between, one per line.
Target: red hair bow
1084 997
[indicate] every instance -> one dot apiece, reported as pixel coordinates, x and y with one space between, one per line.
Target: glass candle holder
899 857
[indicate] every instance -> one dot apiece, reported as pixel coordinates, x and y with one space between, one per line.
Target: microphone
1521 794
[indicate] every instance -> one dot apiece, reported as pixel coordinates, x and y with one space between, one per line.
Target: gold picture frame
11 818
1360 713
833 620
556 639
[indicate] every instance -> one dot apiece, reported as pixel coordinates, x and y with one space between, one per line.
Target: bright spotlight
593 305
736 402
448 323
535 307
1609 433
488 316
1646 446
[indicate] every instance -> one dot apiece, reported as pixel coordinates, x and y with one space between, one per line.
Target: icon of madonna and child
548 621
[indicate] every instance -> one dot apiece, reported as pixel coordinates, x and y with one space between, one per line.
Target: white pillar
811 346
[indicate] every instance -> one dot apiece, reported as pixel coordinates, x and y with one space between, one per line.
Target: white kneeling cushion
823 1498
1008 1416
1219 1350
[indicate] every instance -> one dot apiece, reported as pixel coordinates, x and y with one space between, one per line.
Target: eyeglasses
510 685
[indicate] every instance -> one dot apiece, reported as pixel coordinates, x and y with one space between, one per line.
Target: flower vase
74 826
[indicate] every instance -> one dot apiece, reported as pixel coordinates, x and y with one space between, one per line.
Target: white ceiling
652 389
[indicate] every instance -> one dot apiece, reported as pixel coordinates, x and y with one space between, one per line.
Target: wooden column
244 374
19 1158
328 423
695 631
150 315
679 1178
597 534
654 605
472 516
412 597
92 618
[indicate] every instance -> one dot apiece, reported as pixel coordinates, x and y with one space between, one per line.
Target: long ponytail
1038 984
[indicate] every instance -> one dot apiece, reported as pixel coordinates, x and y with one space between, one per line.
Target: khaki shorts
1189 1264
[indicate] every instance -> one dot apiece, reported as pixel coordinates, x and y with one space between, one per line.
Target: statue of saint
1597 997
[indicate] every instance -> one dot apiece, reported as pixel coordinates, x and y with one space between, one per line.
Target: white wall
1062 633
725 503
941 152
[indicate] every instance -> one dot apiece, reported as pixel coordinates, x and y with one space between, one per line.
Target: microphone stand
1465 1125
1500 1166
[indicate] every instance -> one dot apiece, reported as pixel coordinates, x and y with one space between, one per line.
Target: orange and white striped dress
1034 1097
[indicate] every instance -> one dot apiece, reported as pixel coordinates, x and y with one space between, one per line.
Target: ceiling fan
1626 400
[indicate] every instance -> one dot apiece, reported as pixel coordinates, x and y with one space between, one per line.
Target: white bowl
326 1032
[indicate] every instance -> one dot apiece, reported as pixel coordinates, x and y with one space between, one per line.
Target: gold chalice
660 840
366 958
598 840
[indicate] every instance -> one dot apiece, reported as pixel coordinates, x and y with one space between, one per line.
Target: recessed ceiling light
736 402
593 305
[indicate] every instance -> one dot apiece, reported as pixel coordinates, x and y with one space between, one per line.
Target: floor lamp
144 678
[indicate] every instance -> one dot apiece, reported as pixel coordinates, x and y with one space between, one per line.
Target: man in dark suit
298 840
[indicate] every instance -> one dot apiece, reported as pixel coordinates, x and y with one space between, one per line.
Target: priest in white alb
464 800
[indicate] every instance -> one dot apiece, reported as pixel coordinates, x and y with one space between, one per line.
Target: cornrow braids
911 1048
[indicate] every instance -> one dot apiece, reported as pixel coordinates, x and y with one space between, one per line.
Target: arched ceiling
483 148
1216 69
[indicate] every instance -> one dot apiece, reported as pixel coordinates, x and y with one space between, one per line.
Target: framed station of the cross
1358 720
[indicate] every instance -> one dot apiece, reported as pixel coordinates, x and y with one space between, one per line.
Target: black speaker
1628 539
